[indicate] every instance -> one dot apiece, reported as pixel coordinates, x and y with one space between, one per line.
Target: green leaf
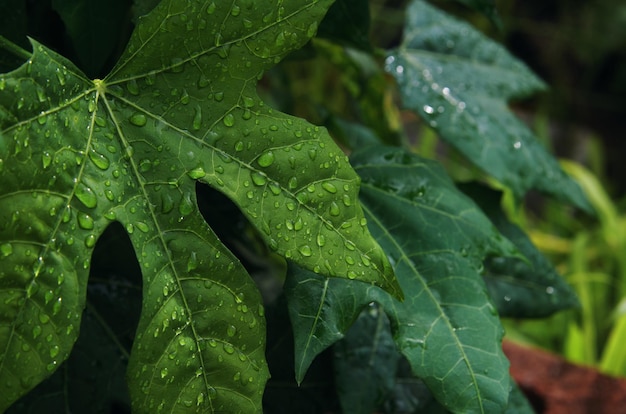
520 289
367 356
180 106
459 81
436 237
486 7
83 18
348 22
13 25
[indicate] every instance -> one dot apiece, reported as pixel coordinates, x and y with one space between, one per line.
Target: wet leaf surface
459 81
180 106
436 238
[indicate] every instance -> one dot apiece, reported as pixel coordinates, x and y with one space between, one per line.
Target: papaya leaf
94 16
180 106
458 80
520 289
367 356
436 238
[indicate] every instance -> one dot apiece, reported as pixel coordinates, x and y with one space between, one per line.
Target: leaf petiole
11 47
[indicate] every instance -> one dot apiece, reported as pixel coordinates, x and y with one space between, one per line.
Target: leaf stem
11 47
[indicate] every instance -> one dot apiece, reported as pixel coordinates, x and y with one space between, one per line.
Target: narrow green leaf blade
459 81
520 289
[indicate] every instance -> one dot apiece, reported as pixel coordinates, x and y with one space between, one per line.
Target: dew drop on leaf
99 160
266 159
329 187
90 241
86 196
305 250
259 179
229 119
6 249
138 119
85 221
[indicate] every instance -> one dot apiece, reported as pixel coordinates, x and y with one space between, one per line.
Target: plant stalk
14 49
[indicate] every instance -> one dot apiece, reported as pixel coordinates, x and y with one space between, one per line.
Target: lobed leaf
436 238
459 81
180 106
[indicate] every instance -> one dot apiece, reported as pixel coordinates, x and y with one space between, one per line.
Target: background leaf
458 80
96 30
366 362
348 22
436 238
520 289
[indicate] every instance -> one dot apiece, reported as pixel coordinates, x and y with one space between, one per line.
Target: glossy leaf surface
180 106
436 237
459 81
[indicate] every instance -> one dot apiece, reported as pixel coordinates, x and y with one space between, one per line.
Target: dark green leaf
348 22
180 106
436 238
365 363
486 7
13 26
520 289
95 28
459 81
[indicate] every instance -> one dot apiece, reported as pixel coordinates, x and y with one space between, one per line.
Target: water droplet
192 262
36 331
293 183
197 118
86 196
132 87
266 159
138 119
259 178
229 120
347 201
90 241
196 173
312 29
329 187
305 250
54 351
164 372
60 76
6 249
99 160
235 10
229 349
352 275
85 221
334 209
231 331
210 8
